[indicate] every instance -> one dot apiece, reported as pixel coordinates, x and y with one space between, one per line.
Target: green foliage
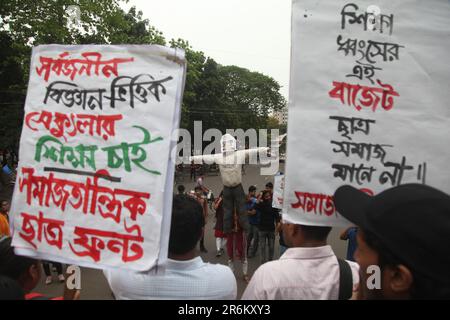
220 96
27 23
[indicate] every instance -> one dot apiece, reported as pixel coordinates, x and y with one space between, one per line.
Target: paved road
94 285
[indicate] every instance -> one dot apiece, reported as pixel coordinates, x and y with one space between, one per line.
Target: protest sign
278 190
368 101
95 177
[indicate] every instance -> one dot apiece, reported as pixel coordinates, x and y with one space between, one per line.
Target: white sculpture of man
230 163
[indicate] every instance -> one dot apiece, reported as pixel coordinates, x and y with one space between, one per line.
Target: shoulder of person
355 272
267 269
353 265
220 273
260 282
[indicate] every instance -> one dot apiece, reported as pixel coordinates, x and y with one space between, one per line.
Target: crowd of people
402 251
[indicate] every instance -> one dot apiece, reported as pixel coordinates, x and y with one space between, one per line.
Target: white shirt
230 166
230 163
200 182
300 274
191 279
231 174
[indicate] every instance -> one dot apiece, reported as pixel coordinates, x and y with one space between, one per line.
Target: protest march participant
181 189
10 289
186 275
204 204
26 272
308 269
253 221
282 245
350 235
218 227
4 221
269 187
4 208
200 182
48 271
268 219
404 233
192 169
237 247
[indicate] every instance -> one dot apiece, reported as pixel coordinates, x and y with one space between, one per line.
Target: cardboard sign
95 177
369 99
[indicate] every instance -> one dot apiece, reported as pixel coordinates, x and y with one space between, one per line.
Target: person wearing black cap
405 232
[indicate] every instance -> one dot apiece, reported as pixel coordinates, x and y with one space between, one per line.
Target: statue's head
227 143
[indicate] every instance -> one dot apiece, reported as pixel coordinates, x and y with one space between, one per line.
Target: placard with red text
369 97
95 168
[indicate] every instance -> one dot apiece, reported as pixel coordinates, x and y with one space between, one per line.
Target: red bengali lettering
34 227
363 96
89 195
94 241
76 66
72 124
316 203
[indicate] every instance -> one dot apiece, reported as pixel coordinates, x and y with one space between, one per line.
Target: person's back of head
267 197
181 189
10 289
269 186
315 233
296 235
26 271
186 226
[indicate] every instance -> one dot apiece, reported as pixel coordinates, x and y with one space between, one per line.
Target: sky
253 34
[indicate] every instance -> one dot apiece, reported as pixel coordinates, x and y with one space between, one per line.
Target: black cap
411 220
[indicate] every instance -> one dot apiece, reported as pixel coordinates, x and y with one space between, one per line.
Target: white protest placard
369 96
95 177
278 191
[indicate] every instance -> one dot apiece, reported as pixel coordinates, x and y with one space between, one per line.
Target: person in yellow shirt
4 218
4 225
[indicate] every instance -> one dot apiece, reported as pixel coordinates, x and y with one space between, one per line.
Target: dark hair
187 224
251 189
10 289
264 192
423 286
181 188
12 265
198 188
269 185
315 232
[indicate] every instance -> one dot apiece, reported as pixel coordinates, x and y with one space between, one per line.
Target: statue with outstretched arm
230 163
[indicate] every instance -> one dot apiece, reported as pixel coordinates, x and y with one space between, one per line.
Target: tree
222 97
195 67
249 96
27 23
12 94
272 123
